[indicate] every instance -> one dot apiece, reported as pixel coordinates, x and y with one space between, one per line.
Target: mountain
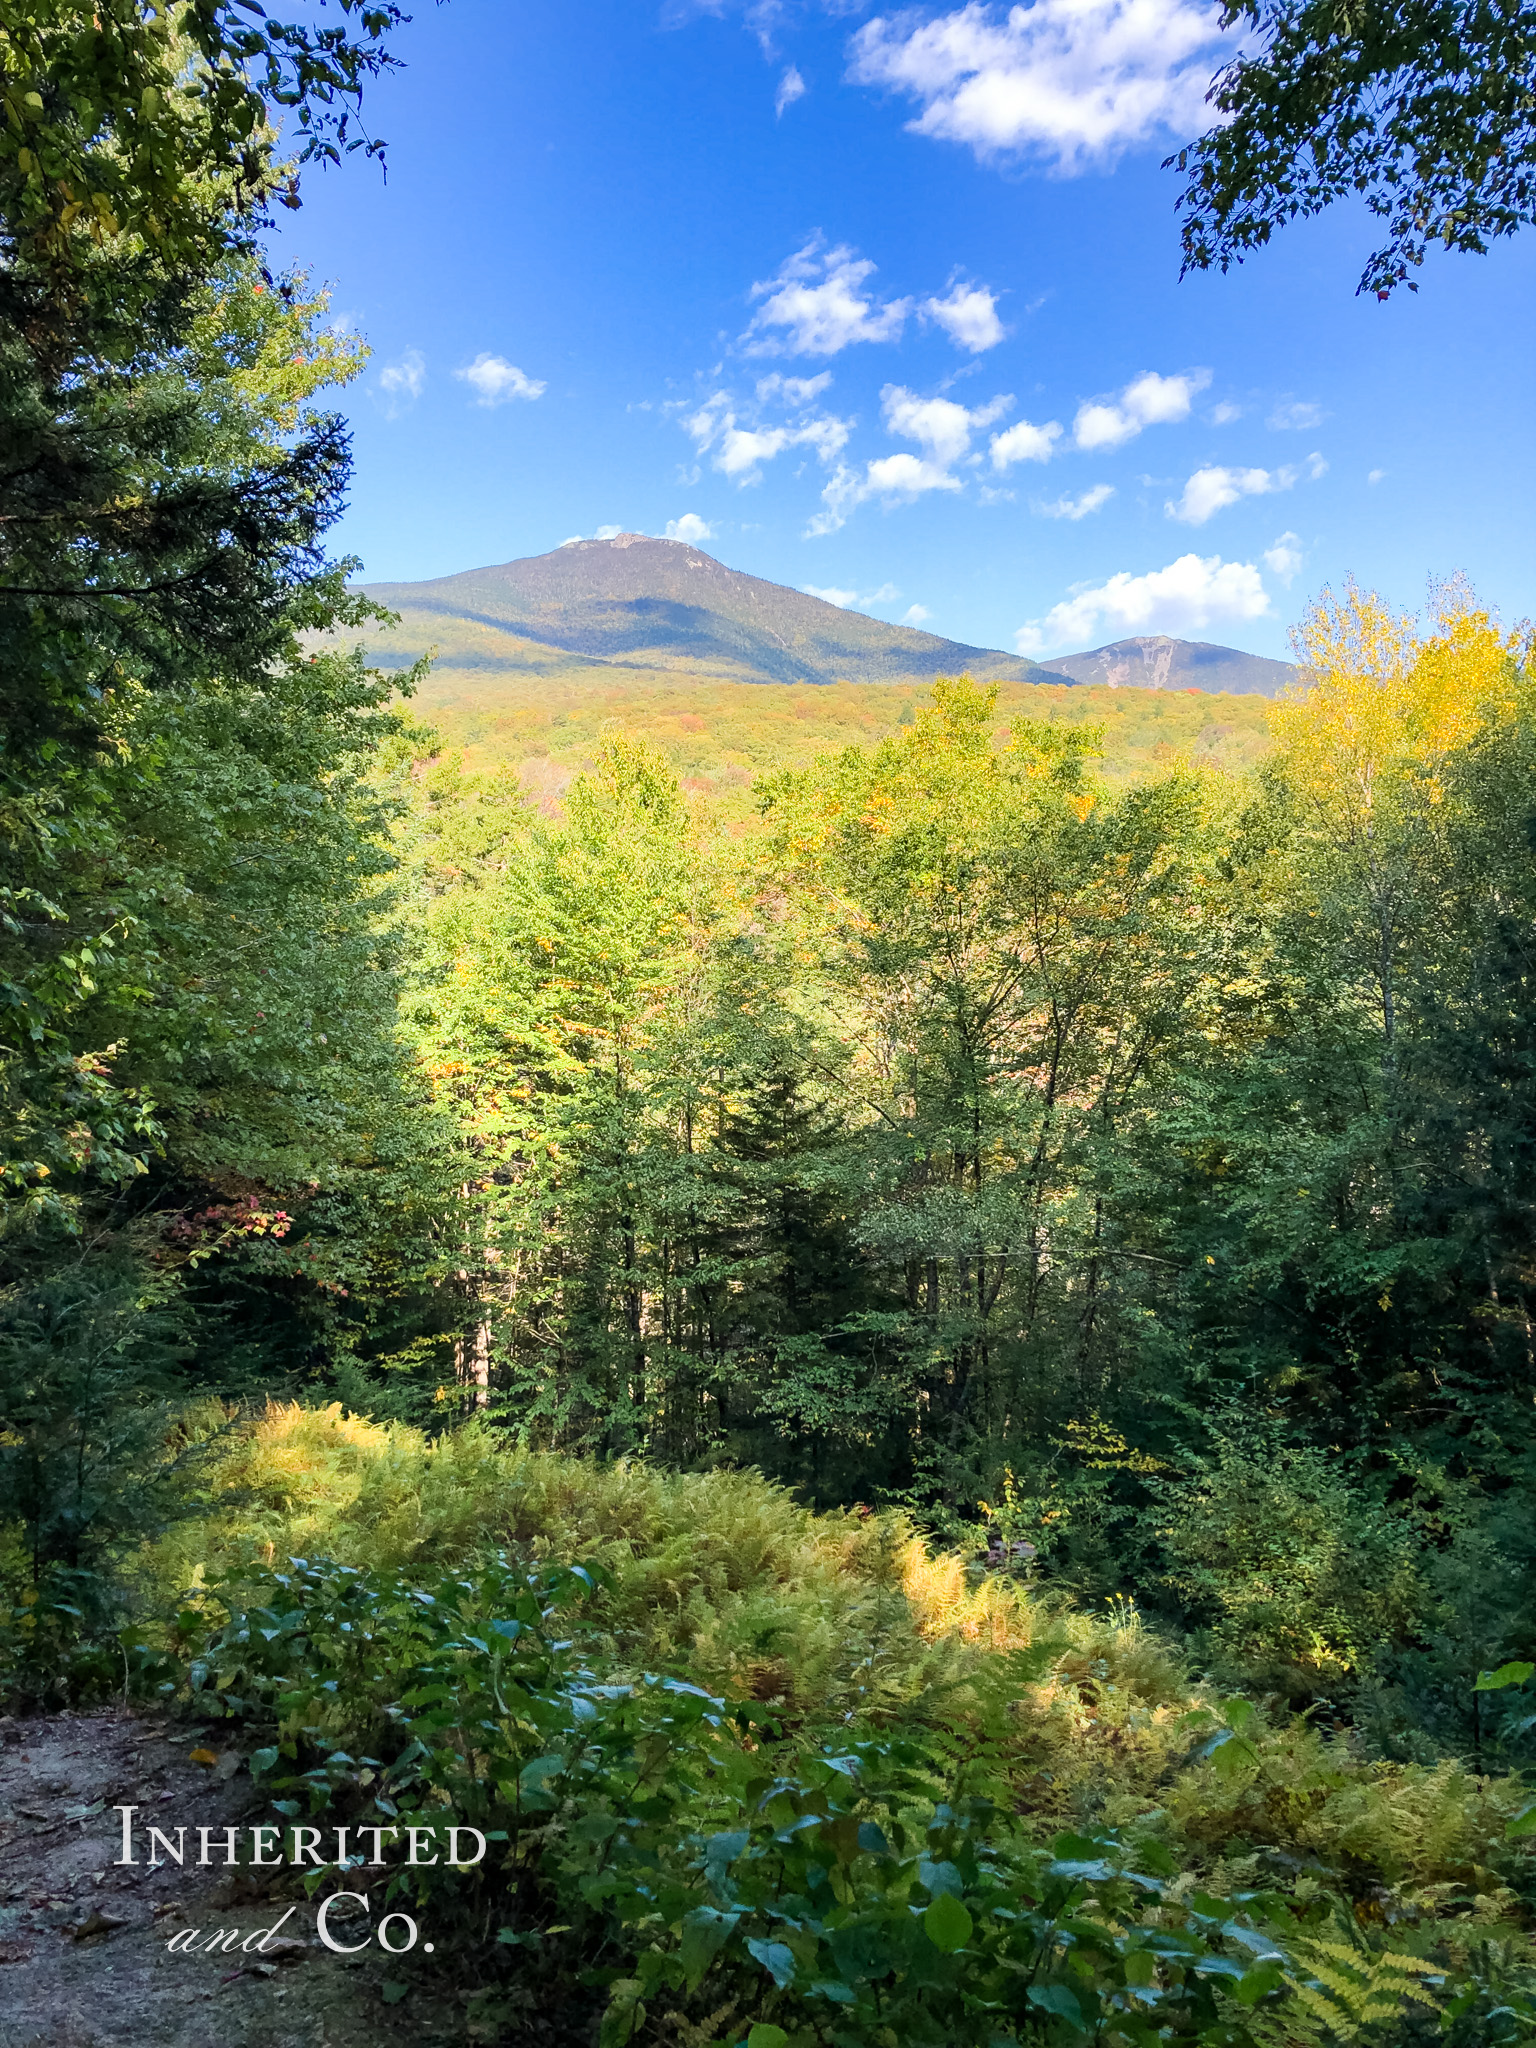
634 603
1154 662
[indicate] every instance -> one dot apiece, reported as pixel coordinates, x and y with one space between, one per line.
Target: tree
138 139
135 719
1424 108
1345 1172
1005 949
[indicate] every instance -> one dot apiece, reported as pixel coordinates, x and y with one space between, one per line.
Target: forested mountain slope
651 604
731 675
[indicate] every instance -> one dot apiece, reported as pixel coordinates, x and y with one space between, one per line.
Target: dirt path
83 1955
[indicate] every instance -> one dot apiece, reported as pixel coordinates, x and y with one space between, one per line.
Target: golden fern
1352 1992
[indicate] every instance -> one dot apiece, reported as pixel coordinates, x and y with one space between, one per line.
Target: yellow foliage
943 1602
539 728
1380 707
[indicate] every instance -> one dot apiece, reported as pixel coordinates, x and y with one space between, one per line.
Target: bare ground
83 1956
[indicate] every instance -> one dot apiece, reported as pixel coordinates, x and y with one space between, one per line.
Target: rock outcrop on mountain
1153 661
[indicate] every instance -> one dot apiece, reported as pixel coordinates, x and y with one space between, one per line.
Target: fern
1354 1993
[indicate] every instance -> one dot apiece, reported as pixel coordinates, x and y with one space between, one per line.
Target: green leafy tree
1004 947
1422 108
137 131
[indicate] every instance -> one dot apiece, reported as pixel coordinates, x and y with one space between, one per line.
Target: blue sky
887 306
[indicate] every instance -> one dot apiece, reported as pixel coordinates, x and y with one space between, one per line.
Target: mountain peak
620 540
1156 661
635 601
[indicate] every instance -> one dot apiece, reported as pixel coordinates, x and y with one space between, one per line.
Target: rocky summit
1153 661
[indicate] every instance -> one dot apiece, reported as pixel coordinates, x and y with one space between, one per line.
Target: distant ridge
636 603
1154 662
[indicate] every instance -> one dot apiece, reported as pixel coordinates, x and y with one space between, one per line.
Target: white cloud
791 391
497 380
1225 413
1147 401
938 424
915 614
1213 488
603 533
1299 416
896 479
1283 558
1069 82
968 316
941 427
791 88
690 528
1376 476
1186 596
401 382
739 450
1024 443
817 305
851 600
1080 507
906 477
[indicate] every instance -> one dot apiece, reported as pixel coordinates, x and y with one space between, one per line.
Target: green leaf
778 1961
535 1776
1229 1754
262 1760
1506 1675
833 1988
1059 1999
764 2036
1258 1983
722 1849
1154 1857
625 2015
705 1933
392 1990
1524 1823
947 1923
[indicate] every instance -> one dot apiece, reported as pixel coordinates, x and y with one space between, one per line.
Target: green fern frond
1354 1993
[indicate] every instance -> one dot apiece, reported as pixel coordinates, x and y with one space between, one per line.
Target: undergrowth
742 1650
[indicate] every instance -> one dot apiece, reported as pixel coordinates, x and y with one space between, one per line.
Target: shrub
1299 1578
874 1891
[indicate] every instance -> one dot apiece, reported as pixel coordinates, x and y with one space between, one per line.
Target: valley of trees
718 737
1150 1159
915 1389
